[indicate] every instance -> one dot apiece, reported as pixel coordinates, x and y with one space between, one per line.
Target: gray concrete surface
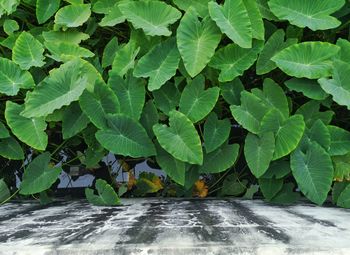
172 226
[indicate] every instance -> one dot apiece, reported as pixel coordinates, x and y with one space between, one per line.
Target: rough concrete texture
171 226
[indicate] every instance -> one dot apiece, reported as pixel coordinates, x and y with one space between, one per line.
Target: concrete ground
172 226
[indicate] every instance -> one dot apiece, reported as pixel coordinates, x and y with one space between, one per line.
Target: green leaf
174 168
10 149
29 130
310 88
131 94
270 187
273 45
8 6
4 133
201 6
341 167
231 91
98 104
338 188
232 186
216 132
258 152
106 194
196 102
344 198
28 52
113 16
63 86
286 195
233 20
314 15
71 36
310 60
73 15
12 78
340 141
124 59
74 121
39 176
313 171
125 136
220 160
160 64
196 41
167 98
109 52
46 9
250 113
311 113
233 60
4 191
320 134
153 17
180 139
149 117
338 87
10 26
63 52
277 169
258 29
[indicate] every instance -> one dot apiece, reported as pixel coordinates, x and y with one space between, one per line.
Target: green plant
240 92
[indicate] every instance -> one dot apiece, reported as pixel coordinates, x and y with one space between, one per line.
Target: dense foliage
227 97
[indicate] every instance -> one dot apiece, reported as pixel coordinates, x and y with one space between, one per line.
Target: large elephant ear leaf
180 138
73 15
63 86
338 87
106 194
197 41
313 14
307 60
12 78
313 171
28 51
29 130
196 102
46 9
153 17
39 175
233 20
125 136
258 152
160 64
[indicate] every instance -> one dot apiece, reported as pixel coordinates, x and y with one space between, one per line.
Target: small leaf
216 132
344 198
10 26
286 195
196 102
196 41
29 130
310 60
46 9
125 136
109 52
153 17
106 195
233 187
277 169
39 176
73 15
10 149
74 121
270 187
313 171
28 52
149 117
180 139
167 98
231 91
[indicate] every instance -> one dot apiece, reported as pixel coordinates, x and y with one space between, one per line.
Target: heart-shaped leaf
73 15
106 194
216 132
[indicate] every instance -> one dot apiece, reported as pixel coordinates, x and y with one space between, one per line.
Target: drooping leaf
125 136
180 138
4 191
153 17
131 94
216 132
46 9
29 130
196 102
196 41
220 160
233 60
39 176
63 86
233 20
314 14
258 152
11 149
310 60
340 141
106 195
160 64
313 171
73 15
12 78
28 51
310 88
74 121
